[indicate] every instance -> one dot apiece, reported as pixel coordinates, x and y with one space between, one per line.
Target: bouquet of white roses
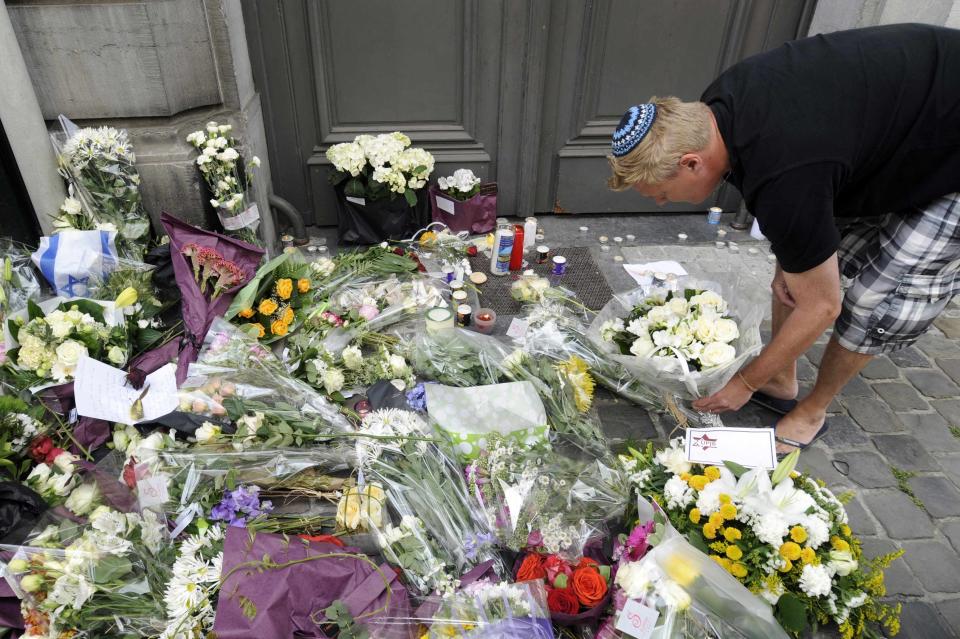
462 185
688 341
99 166
222 168
377 167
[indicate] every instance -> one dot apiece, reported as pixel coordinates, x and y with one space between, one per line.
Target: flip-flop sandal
800 445
779 406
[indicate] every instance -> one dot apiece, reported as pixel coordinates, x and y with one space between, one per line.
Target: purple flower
239 505
417 398
473 544
534 539
637 543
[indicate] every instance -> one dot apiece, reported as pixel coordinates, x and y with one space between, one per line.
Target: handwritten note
517 328
749 447
102 392
637 620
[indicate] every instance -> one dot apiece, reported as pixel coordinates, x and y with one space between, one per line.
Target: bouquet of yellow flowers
268 306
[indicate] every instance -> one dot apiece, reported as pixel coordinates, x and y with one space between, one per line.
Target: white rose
117 355
224 128
61 484
717 354
213 127
642 347
70 352
678 305
659 315
705 329
40 473
206 432
105 226
398 365
120 440
352 357
59 324
673 459
727 331
209 152
83 499
333 380
65 463
255 161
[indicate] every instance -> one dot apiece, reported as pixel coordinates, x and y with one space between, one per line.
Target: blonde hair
679 128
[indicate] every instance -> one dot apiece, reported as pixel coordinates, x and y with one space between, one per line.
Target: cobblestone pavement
894 442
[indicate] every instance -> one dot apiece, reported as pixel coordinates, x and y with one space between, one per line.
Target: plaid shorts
902 269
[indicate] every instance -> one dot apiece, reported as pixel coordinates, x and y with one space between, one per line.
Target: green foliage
792 614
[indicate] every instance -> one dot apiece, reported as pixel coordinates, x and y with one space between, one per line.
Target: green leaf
14 329
735 468
248 607
411 197
792 614
697 541
354 188
110 568
89 307
33 310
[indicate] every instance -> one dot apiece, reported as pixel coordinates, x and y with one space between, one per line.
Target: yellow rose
279 328
246 313
712 473
734 552
261 331
790 551
798 534
287 316
728 511
698 482
284 288
267 307
695 516
303 285
348 510
732 534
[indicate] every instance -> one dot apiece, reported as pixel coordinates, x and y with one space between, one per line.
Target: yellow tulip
127 297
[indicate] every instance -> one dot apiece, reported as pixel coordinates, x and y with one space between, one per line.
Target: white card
102 392
749 447
152 491
518 328
357 200
637 620
642 272
446 205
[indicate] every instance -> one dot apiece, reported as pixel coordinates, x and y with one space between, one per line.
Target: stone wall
835 15
159 68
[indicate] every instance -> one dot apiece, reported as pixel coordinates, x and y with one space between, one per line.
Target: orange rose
531 568
303 285
278 328
287 316
284 288
246 313
589 586
267 307
261 331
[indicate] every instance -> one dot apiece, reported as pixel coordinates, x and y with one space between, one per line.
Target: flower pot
477 215
363 221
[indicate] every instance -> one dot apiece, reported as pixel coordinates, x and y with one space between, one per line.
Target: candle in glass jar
439 319
484 320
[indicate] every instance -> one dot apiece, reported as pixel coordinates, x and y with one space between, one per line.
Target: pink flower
554 566
3 354
368 312
534 539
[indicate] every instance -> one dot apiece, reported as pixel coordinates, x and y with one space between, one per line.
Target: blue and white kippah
633 127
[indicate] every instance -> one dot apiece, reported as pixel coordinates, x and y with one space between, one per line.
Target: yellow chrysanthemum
732 534
712 473
734 552
284 288
717 520
577 372
719 559
739 570
728 511
790 551
786 567
278 328
303 285
808 556
839 544
685 476
695 516
845 530
698 482
246 313
798 534
267 307
709 531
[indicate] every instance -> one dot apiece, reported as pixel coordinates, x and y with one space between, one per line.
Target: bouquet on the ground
489 610
529 288
355 367
785 537
457 357
377 167
20 424
18 282
578 591
99 165
190 593
688 341
50 344
462 185
228 179
102 579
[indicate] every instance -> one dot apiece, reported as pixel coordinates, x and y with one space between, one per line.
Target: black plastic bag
20 510
375 221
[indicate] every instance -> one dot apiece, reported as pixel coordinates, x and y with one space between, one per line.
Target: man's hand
780 288
729 398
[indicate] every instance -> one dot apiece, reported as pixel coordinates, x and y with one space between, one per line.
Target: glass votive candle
484 320
439 319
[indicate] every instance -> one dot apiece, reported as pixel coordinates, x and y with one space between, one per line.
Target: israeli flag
72 261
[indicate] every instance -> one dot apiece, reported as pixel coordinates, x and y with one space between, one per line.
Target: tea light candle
681 236
484 320
721 233
631 237
439 319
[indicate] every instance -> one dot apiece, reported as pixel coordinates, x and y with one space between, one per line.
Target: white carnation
771 529
333 380
815 581
818 532
677 493
636 577
352 357
639 327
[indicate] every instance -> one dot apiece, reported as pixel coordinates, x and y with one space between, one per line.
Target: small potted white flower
464 204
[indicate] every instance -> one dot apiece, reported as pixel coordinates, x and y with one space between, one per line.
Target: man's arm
815 298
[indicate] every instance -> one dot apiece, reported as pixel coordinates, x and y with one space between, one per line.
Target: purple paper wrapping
481 571
198 311
10 616
477 215
290 601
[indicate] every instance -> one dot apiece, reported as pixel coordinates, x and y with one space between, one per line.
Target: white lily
785 500
738 489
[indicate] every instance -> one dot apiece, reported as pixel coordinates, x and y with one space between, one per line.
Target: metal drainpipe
293 216
743 220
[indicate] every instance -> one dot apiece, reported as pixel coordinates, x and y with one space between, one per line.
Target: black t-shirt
854 123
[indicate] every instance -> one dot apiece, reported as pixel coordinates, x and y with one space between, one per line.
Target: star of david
74 281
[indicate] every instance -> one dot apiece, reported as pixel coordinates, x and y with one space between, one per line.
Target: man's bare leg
838 367
783 385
